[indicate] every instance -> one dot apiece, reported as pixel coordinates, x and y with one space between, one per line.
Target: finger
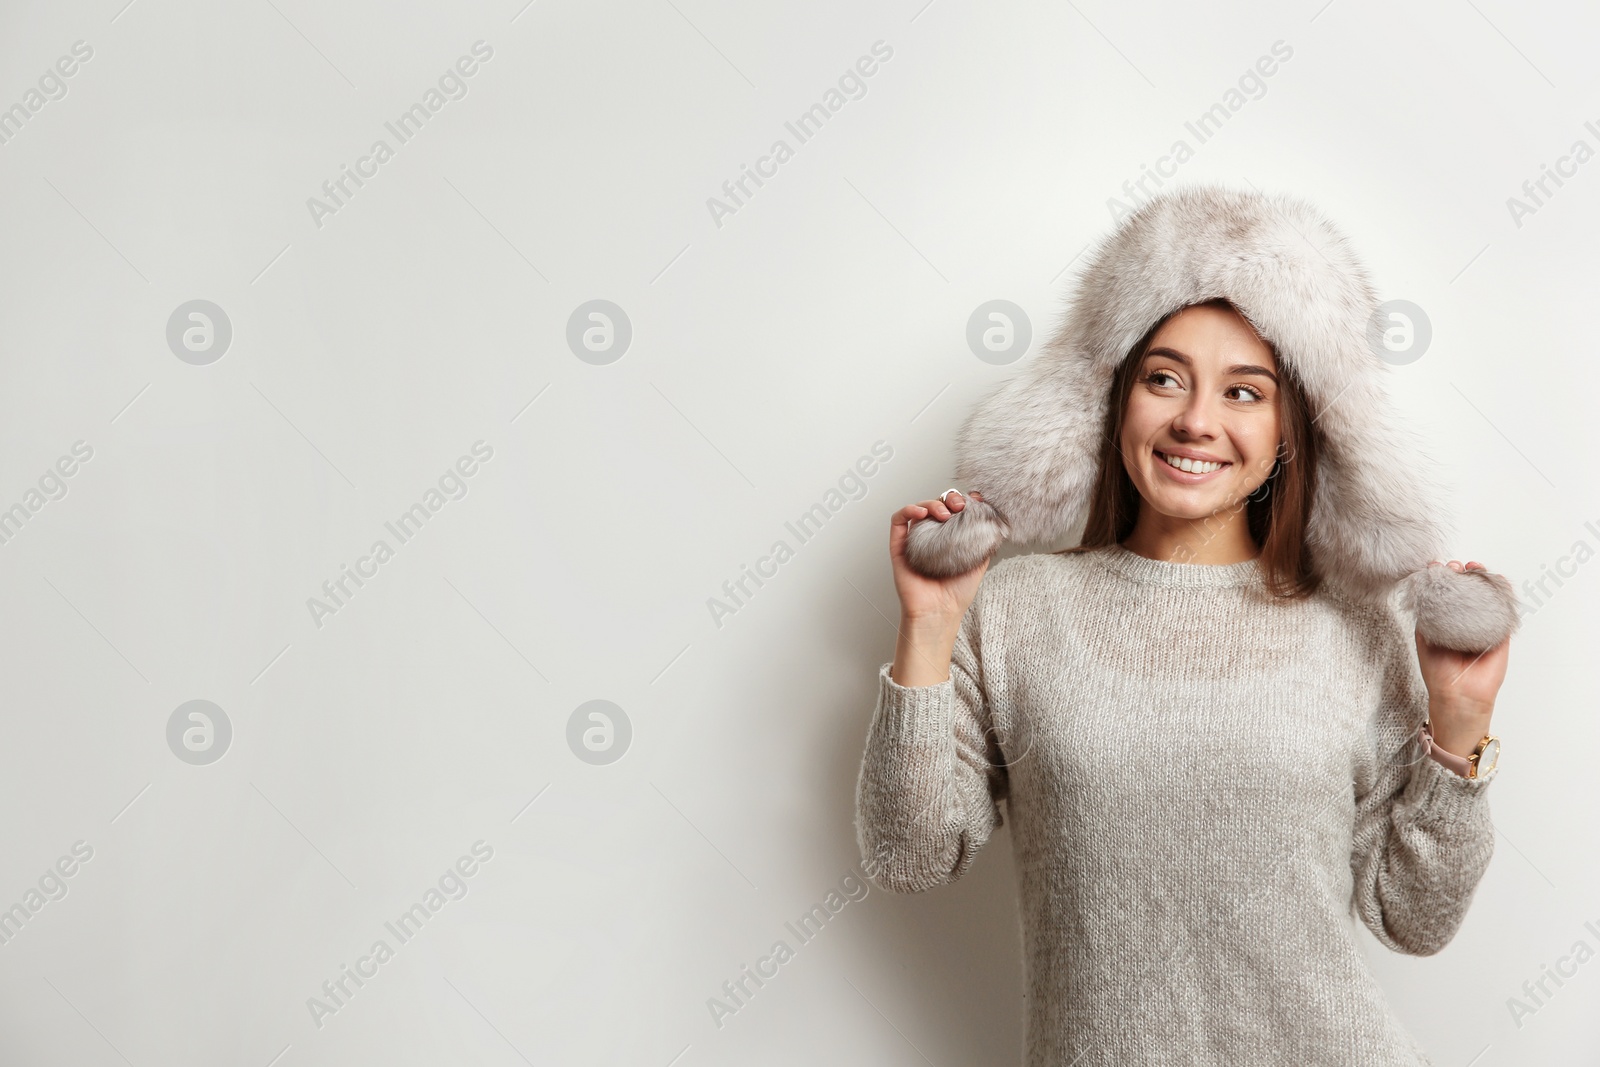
1456 566
936 509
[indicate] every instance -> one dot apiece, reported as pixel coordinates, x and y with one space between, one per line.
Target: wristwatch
1479 764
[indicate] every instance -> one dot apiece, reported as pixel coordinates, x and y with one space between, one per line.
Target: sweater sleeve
932 775
1423 836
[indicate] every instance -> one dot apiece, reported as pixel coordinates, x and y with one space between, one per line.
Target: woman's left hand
1461 687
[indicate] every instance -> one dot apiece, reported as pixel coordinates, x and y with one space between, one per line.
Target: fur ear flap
1469 611
945 549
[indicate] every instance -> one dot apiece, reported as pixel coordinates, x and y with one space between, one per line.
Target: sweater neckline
1130 564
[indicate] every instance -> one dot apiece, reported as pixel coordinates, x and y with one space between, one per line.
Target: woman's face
1206 396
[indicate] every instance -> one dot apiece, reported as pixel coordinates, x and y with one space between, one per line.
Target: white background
768 355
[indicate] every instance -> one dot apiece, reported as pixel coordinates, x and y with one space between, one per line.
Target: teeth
1193 466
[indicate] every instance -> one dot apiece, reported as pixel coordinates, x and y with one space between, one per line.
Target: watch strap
1459 764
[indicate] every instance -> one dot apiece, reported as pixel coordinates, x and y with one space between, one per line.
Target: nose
1198 418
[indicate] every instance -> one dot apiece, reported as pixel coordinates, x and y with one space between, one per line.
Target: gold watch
1485 756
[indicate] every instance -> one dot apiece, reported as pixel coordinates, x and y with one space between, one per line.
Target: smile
1190 466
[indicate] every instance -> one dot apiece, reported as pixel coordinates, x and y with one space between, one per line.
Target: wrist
922 653
1480 762
930 628
1457 727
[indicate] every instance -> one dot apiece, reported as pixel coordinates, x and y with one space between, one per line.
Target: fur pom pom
945 549
1470 611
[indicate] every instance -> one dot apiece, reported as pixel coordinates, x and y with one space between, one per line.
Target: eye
1255 394
1153 376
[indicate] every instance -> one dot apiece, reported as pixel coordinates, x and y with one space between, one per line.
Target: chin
1191 510
1191 504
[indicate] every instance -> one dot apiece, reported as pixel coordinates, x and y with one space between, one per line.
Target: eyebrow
1237 368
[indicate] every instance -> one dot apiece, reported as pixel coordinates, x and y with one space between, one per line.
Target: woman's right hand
931 600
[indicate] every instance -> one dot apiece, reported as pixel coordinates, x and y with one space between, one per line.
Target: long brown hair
1277 513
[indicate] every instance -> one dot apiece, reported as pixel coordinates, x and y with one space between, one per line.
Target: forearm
1423 861
925 798
922 652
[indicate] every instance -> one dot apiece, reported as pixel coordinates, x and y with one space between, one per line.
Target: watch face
1490 756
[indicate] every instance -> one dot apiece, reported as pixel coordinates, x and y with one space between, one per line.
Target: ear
1468 611
945 549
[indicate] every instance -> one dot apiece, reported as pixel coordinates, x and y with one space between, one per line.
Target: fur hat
1032 447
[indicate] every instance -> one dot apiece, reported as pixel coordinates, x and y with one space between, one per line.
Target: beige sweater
1205 787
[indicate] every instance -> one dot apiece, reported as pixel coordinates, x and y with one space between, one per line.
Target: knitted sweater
1206 787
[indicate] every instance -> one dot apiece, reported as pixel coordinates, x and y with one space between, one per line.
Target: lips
1190 471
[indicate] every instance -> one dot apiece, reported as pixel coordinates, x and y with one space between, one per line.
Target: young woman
1217 736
